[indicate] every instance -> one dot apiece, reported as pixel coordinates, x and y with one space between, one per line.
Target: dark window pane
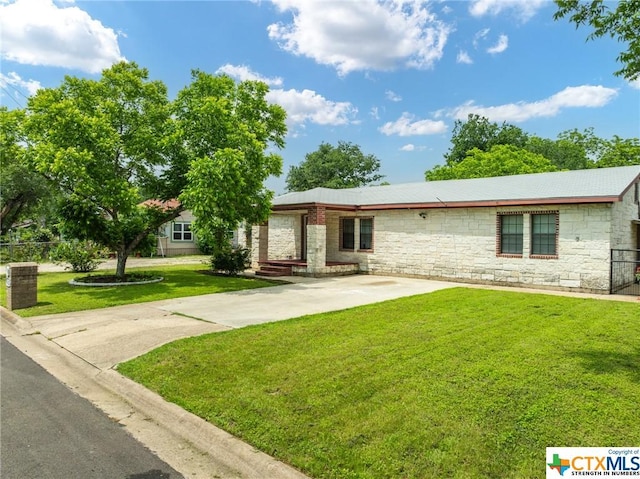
366 233
543 234
348 228
511 234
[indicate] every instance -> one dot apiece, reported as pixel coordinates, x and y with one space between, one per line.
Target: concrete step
272 274
278 268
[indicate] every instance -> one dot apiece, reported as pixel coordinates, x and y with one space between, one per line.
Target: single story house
548 230
174 237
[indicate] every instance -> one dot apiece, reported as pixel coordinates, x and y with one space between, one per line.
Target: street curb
189 444
235 456
20 323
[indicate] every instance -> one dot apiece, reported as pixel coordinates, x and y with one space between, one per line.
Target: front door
303 238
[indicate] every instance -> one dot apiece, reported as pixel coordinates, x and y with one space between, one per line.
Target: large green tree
342 166
21 189
226 130
106 141
619 20
563 153
478 132
500 160
101 141
620 152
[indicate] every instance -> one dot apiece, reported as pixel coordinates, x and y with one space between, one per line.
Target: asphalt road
47 431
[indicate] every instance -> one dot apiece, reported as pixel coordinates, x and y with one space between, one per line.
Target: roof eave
456 204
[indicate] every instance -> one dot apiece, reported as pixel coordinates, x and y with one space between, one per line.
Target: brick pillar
317 215
22 285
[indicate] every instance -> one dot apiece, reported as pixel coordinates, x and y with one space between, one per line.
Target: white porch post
316 240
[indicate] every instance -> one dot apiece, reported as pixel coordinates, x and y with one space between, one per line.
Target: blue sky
390 76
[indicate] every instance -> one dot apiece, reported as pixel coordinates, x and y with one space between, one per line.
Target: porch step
273 270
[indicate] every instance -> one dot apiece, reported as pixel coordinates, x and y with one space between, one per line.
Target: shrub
147 246
81 256
231 261
205 244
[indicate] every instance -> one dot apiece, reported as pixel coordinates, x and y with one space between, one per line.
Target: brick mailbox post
22 285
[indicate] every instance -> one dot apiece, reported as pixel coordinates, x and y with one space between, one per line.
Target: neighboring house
176 236
549 230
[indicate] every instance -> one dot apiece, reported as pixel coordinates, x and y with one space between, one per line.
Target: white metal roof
601 184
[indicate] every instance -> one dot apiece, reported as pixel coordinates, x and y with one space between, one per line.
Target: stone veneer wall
284 238
460 244
623 232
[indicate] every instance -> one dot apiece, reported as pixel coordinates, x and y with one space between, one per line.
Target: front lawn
56 295
460 383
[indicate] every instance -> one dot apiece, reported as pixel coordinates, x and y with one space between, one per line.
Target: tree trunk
10 213
121 256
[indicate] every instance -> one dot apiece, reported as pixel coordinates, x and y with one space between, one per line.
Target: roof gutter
457 204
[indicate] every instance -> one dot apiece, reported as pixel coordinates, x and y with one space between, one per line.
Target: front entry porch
299 267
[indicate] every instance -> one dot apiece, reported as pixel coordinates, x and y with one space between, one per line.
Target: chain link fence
26 251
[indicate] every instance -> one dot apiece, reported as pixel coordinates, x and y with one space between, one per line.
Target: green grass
460 383
56 295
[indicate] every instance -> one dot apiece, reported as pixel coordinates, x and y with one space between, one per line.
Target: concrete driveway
110 336
305 296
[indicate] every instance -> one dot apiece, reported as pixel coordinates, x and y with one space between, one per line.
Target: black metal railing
625 271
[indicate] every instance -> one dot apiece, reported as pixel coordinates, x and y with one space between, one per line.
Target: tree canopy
572 150
106 141
621 23
500 160
344 166
20 187
478 132
226 131
100 141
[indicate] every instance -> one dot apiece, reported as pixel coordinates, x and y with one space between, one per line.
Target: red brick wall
317 215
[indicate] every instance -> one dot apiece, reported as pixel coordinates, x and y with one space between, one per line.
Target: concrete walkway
82 348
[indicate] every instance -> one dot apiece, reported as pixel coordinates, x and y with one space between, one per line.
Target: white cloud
523 9
463 57
38 32
362 35
392 96
242 73
408 147
308 106
502 45
13 79
374 113
480 35
302 107
635 83
406 126
585 96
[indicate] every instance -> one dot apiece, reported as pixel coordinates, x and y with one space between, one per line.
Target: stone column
316 240
259 244
22 285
